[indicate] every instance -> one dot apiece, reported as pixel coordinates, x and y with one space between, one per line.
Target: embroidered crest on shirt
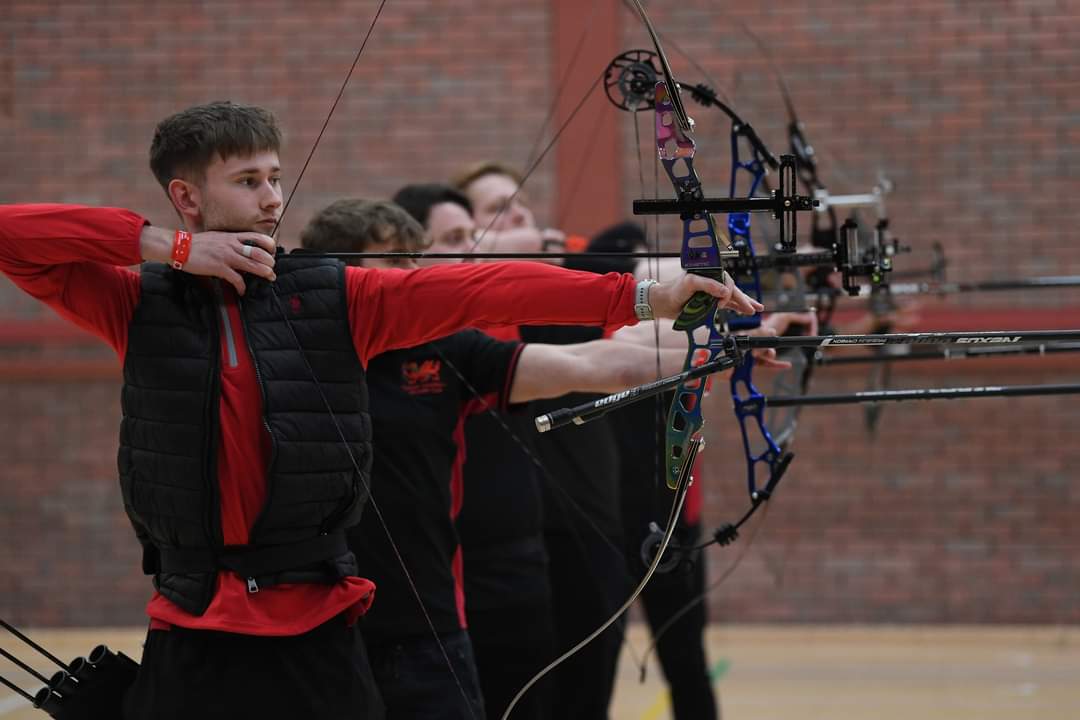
422 378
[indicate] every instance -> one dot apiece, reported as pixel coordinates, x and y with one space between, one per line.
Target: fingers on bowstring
252 258
264 242
250 265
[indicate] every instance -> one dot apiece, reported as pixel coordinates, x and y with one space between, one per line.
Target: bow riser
700 255
759 447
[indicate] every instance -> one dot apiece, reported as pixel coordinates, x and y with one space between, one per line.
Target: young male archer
245 440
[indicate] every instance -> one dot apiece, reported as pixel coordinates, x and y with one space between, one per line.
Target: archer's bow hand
668 298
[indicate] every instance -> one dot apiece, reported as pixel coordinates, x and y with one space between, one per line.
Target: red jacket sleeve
71 258
391 309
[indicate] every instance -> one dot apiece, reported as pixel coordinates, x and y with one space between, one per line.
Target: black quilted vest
170 431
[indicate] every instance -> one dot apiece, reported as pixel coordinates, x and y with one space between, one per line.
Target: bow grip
694 313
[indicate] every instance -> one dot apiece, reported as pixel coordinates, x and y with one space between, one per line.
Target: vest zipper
226 324
213 424
252 586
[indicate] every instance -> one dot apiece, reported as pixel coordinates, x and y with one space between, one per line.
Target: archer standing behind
582 524
641 430
501 525
501 521
421 398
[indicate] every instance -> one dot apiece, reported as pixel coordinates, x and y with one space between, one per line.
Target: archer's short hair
354 225
472 173
185 144
417 200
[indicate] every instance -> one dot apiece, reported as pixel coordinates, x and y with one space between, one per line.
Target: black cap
623 237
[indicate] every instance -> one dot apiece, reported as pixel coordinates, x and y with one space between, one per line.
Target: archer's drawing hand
226 255
216 254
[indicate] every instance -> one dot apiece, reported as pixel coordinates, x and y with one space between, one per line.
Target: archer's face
240 193
450 229
492 197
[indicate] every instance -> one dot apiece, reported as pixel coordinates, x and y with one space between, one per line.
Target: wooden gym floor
793 672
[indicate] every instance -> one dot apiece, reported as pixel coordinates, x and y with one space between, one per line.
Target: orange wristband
576 243
181 249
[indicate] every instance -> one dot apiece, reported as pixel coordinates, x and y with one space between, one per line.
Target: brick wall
953 512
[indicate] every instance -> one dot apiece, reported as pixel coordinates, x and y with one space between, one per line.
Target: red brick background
953 512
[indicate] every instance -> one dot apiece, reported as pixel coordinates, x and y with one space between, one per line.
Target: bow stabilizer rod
735 346
581 414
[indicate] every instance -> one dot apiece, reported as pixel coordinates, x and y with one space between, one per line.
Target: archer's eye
453 238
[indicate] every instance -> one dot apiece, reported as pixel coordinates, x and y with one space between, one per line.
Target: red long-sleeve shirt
75 260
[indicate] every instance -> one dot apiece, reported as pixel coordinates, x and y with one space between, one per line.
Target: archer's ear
185 197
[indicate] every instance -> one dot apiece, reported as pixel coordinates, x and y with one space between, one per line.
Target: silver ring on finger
246 250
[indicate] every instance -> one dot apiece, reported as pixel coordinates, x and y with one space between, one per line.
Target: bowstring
378 511
582 164
586 28
330 114
700 597
561 495
654 272
533 458
532 168
303 353
676 510
749 541
565 500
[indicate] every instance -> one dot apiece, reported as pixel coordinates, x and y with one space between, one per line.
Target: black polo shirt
512 503
419 405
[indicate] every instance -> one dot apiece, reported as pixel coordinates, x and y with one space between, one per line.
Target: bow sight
630 83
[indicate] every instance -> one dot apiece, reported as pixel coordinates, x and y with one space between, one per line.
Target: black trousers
321 675
512 644
681 650
415 682
588 582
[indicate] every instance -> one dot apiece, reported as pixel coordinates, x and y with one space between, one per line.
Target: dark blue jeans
415 682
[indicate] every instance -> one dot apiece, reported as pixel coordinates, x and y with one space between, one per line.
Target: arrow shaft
822 360
493 255
995 338
874 396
